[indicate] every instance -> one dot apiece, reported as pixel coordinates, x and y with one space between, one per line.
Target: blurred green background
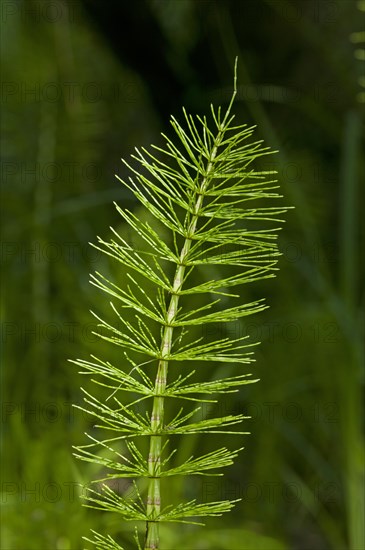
83 82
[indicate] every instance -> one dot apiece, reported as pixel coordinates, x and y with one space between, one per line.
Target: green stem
154 458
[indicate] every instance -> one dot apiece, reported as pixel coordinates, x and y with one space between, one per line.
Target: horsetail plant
205 199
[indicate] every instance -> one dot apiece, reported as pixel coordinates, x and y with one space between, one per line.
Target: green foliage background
73 103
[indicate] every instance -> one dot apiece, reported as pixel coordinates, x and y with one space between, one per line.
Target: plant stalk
154 458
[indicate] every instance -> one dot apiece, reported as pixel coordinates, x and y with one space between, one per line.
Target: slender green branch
157 417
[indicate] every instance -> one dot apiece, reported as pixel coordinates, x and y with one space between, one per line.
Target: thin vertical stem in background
350 377
348 236
41 224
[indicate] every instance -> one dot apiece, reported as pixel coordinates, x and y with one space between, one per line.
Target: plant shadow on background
80 89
